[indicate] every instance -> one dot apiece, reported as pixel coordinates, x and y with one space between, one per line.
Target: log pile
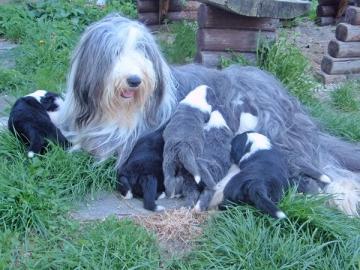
331 11
221 31
152 14
343 58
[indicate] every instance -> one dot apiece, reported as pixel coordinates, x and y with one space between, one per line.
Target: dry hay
176 229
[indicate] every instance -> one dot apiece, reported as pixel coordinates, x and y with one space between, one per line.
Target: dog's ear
48 102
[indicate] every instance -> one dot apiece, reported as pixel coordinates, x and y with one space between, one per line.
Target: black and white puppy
34 117
215 159
263 175
142 173
184 141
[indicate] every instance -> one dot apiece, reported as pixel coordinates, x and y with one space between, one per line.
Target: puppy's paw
161 196
128 195
325 179
30 154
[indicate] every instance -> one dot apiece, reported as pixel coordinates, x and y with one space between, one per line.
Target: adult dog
120 87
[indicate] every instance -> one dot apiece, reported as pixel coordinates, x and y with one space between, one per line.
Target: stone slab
7 54
112 204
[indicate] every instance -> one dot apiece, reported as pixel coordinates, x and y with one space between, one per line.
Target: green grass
37 195
346 97
182 48
314 237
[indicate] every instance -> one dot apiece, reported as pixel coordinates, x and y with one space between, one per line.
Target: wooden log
144 6
347 32
213 58
280 9
332 65
329 79
322 21
326 11
341 49
152 18
211 17
236 40
352 15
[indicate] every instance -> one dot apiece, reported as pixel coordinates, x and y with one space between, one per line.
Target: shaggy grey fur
281 117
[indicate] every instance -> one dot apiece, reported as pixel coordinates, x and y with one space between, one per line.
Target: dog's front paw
128 195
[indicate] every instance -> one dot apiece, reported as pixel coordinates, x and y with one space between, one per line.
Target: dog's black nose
133 81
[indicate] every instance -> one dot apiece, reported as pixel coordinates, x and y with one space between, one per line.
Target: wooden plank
236 40
152 18
144 6
341 49
326 11
280 9
347 32
213 58
352 15
332 65
211 17
322 21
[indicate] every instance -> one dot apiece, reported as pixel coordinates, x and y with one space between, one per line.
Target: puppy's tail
262 202
188 160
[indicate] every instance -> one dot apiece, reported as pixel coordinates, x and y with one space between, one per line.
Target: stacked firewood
222 33
331 11
343 57
156 12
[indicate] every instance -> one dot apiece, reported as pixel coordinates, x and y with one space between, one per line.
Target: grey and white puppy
184 142
215 160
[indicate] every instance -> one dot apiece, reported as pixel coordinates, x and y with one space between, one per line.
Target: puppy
263 175
142 174
215 160
33 118
249 122
184 141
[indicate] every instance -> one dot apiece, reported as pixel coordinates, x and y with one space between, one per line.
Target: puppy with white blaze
263 175
184 141
34 117
215 159
121 87
142 173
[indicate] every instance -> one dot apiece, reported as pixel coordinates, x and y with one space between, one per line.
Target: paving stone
7 54
107 204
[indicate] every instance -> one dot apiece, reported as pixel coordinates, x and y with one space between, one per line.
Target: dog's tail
188 160
262 202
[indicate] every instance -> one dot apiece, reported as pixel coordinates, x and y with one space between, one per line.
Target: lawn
36 195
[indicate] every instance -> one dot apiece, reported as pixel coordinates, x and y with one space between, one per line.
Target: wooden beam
144 6
347 32
280 9
328 2
213 58
325 11
352 15
152 18
211 17
236 40
332 65
341 49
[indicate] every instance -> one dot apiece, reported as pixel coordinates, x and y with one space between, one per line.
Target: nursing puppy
263 175
184 141
215 160
142 174
34 117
